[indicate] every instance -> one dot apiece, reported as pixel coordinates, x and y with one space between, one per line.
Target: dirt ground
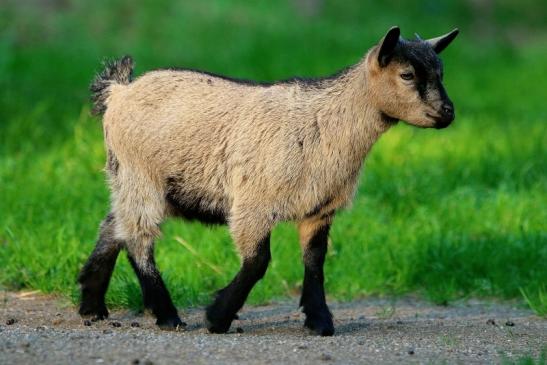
38 329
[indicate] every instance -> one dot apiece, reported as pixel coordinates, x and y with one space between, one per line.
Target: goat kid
200 146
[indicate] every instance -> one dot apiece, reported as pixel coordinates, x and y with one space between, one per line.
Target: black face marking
155 295
96 273
427 65
190 206
228 301
318 316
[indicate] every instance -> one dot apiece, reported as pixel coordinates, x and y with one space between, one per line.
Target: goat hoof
217 318
219 327
320 326
216 323
97 312
171 324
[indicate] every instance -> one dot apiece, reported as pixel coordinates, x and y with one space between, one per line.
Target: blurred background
445 215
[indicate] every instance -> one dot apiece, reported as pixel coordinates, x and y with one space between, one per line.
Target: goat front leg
314 241
253 243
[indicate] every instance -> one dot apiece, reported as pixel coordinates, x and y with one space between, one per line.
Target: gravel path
47 331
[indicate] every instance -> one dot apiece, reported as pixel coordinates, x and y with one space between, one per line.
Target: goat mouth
441 121
436 118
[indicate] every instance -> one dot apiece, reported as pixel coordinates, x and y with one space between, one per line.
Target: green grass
541 359
446 214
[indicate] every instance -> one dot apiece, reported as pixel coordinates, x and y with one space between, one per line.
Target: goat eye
407 76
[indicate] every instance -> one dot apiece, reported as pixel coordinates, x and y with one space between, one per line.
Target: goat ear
388 46
440 43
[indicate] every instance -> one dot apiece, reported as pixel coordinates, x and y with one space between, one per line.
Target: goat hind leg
154 292
95 275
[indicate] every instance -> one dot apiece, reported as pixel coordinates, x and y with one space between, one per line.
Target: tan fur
260 154
307 228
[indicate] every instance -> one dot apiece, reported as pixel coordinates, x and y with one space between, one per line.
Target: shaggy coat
200 146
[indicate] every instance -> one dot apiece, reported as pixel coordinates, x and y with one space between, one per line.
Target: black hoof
216 322
218 327
94 311
320 326
171 324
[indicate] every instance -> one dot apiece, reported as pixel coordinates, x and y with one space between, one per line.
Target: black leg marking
96 273
228 301
155 295
318 316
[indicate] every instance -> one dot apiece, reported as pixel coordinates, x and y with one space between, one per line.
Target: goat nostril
447 109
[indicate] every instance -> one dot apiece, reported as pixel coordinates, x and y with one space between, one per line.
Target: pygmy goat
200 146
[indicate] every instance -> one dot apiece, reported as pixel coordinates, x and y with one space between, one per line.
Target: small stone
135 324
302 347
411 352
11 321
325 357
239 330
107 332
491 321
115 324
87 322
509 323
399 322
41 328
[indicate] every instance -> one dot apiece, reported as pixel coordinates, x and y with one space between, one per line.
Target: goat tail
115 72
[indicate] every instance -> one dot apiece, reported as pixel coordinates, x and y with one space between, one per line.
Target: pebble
325 357
411 352
115 324
509 323
107 332
491 321
135 324
87 322
11 321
